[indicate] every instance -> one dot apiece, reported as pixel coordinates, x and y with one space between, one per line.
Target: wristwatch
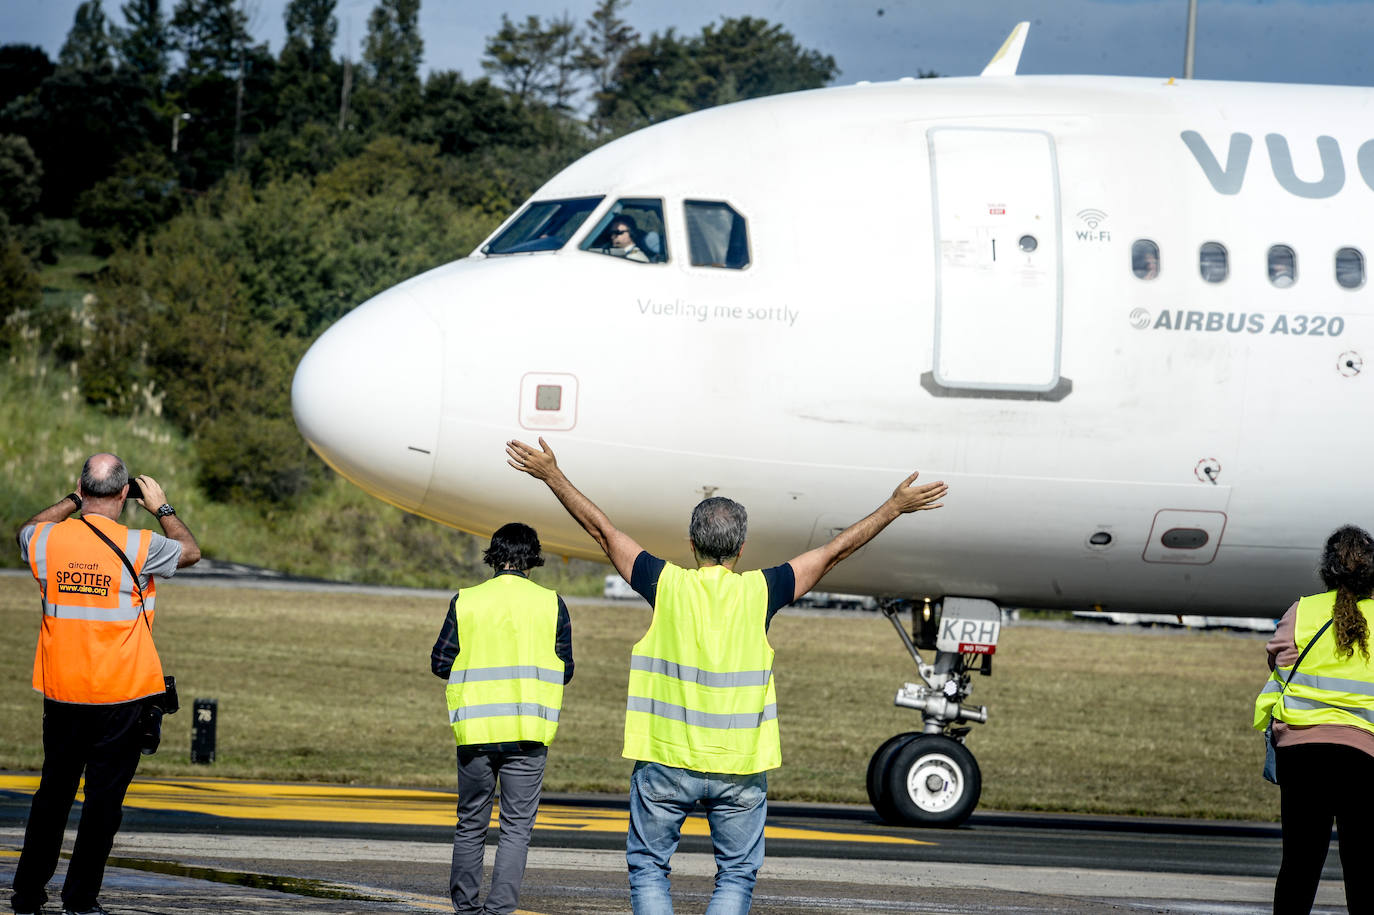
75 499
165 509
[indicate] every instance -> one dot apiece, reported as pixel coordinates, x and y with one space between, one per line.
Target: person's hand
153 496
908 497
540 464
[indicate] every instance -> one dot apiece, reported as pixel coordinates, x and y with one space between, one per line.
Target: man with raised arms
701 719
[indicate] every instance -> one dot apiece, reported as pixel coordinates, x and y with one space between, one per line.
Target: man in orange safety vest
96 667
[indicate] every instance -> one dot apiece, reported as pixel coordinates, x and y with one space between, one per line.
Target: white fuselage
890 320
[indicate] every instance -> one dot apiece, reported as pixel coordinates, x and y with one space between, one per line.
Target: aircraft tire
877 781
934 781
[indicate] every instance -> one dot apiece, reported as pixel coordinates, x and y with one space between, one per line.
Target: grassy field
337 688
341 533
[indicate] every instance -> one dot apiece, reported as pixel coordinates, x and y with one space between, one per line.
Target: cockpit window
717 235
632 229
545 225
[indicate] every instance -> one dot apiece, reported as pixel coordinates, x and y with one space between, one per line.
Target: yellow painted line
317 803
6 853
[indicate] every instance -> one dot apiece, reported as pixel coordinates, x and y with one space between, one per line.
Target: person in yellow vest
506 651
1324 727
701 720
96 667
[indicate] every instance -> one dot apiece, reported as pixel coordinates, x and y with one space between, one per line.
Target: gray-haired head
103 476
719 526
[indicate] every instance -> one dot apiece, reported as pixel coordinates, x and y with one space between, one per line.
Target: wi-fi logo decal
1092 217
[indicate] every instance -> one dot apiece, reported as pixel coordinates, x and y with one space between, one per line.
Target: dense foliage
241 200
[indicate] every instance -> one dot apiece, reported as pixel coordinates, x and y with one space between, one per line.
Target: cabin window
1283 266
1212 262
545 225
1145 259
632 229
1350 268
717 235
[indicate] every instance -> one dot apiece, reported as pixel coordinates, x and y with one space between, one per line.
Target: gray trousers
521 774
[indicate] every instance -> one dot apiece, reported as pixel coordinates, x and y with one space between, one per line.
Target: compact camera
135 491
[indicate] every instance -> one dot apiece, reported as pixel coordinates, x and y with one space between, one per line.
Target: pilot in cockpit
623 238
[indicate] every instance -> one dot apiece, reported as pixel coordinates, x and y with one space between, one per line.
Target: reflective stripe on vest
698 676
503 710
1328 688
506 684
701 692
524 672
94 646
127 608
704 719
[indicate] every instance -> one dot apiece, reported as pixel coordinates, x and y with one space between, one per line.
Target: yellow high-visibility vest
507 681
701 680
1328 688
96 644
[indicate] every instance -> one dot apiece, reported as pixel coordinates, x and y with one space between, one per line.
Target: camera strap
1326 625
128 565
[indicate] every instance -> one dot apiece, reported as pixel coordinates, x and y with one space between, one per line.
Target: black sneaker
98 910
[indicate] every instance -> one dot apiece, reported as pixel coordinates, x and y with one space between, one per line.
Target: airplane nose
367 393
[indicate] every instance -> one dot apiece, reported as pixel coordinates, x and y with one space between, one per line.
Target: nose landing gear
928 777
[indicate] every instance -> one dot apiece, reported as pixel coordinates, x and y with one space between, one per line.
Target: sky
1305 41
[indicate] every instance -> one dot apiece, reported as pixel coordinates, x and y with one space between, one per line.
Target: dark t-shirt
782 582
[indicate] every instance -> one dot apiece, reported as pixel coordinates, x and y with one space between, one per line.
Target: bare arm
811 566
541 464
172 527
58 511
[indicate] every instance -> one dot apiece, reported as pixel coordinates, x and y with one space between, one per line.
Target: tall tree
88 45
21 183
144 43
535 61
739 59
212 36
601 46
307 78
760 58
23 67
224 84
80 123
311 28
393 48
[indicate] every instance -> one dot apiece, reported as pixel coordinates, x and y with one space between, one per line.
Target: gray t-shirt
163 555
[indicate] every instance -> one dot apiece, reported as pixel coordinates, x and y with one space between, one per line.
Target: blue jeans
660 799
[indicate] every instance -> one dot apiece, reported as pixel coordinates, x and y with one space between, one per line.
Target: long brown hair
1347 567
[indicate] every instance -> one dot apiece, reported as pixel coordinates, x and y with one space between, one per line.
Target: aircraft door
995 196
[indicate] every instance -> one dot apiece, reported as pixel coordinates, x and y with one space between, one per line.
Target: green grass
47 430
337 688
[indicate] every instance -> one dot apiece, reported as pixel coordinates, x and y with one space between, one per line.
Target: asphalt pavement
199 845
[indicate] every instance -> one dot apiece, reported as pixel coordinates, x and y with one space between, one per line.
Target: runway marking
315 803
